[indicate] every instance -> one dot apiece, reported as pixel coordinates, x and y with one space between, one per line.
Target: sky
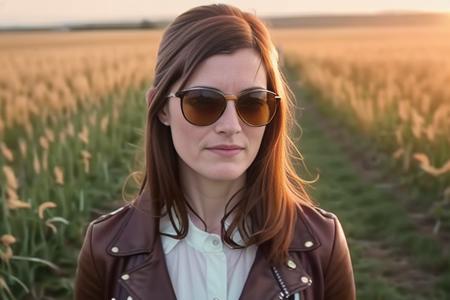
50 12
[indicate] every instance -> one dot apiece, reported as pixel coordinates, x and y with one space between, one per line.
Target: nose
229 121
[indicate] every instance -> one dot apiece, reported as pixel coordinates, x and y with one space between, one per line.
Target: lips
226 147
225 150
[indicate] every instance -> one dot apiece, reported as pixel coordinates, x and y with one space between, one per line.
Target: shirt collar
195 237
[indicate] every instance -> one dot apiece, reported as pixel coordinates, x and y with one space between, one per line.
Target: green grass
371 216
80 199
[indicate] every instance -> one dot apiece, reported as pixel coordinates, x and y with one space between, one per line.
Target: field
388 84
71 126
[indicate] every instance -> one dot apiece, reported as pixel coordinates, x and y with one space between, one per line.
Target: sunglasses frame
180 94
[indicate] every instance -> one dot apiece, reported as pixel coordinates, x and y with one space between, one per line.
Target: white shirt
202 267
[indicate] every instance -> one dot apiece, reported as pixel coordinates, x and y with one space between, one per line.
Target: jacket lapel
260 283
146 275
268 282
150 280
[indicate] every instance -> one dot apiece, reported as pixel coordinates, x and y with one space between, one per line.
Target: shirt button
216 243
115 249
215 298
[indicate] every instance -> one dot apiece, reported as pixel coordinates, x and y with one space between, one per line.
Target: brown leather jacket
122 259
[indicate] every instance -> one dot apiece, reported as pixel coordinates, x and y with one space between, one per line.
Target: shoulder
127 230
112 216
317 211
321 222
314 229
93 263
110 222
324 227
333 253
104 228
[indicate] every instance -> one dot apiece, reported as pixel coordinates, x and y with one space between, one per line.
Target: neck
208 198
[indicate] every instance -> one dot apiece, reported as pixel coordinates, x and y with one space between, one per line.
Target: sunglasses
202 106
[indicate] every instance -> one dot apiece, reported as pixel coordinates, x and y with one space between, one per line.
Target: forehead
230 73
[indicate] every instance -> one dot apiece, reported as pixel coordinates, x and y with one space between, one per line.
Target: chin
223 175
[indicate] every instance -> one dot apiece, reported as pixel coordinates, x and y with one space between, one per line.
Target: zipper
284 294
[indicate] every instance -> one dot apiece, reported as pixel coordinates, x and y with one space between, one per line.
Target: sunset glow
16 12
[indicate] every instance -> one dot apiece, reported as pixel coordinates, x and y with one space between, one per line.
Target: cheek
181 139
180 130
187 140
255 136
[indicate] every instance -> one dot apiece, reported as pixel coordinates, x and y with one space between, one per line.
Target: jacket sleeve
88 283
339 279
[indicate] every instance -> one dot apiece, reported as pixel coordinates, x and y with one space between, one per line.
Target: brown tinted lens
257 108
202 107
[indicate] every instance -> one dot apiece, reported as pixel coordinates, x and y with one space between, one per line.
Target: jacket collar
142 223
304 239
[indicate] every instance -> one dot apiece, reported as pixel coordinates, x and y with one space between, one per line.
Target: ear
150 95
163 115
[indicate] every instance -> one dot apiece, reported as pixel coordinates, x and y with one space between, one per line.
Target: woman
221 213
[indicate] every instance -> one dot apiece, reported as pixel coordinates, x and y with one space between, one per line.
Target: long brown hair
273 190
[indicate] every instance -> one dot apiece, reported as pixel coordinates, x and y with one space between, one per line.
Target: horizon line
165 19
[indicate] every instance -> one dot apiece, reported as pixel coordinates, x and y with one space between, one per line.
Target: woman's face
230 73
